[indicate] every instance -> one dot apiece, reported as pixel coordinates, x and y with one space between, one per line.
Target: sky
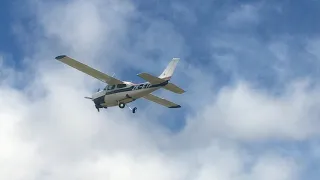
250 70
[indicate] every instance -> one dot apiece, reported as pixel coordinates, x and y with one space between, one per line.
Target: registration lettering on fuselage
141 86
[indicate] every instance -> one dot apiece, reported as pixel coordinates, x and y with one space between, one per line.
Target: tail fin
155 80
166 75
168 72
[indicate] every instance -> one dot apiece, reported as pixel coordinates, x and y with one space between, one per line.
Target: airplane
119 93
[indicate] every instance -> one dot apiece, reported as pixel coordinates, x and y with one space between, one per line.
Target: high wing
88 70
161 101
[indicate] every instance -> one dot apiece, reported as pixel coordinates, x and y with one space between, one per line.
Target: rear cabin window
121 85
110 87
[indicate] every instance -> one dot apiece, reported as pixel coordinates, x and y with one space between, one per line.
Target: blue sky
199 23
295 20
250 68
7 42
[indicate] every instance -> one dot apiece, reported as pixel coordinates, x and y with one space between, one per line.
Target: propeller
97 107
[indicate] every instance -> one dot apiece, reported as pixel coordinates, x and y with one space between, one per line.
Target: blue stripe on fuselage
100 99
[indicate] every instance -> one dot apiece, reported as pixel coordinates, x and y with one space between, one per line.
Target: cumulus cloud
247 113
49 131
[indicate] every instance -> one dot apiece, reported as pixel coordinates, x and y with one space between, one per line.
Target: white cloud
243 112
18 157
49 131
273 167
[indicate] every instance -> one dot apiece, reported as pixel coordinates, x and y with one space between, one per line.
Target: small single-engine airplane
119 93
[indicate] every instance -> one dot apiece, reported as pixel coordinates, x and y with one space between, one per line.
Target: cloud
313 47
273 167
246 113
15 152
49 131
241 16
183 13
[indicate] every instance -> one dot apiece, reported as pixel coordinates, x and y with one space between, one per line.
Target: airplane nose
98 100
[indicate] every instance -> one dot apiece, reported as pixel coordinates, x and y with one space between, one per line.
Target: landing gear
122 105
133 110
98 108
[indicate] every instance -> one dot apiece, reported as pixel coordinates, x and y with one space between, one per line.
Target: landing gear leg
98 107
133 109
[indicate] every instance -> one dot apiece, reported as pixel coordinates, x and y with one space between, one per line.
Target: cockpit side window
121 85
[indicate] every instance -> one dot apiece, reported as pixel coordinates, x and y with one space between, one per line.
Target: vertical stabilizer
168 72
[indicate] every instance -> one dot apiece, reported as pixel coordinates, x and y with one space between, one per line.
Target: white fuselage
112 95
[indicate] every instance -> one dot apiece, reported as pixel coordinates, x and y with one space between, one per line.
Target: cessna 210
119 93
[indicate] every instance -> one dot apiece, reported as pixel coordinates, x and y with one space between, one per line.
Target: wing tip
140 74
60 57
177 106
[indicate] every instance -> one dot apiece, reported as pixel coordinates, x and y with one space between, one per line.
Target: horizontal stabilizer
161 101
155 80
150 78
174 88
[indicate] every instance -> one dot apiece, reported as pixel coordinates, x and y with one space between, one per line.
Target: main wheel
122 105
134 110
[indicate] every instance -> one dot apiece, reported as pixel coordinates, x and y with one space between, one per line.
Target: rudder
168 72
